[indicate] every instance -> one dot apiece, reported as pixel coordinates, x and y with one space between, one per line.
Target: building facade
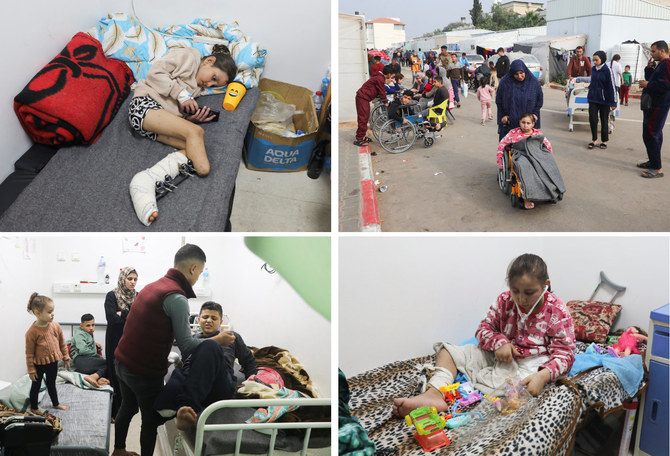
384 32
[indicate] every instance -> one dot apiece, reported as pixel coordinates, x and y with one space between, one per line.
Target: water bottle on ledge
318 101
101 269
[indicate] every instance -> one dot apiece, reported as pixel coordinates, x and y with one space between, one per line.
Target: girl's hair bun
220 49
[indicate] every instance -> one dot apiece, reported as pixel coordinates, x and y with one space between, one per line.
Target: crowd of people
518 93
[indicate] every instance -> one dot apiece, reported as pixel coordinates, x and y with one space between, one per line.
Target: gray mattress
85 188
86 425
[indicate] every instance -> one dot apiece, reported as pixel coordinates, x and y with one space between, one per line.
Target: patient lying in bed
164 109
208 373
528 333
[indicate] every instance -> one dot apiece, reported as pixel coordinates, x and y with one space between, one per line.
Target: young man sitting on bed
84 352
208 374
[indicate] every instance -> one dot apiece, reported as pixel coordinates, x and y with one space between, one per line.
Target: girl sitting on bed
163 107
527 333
45 346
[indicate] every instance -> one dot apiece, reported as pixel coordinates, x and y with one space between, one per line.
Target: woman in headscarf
602 98
117 306
519 91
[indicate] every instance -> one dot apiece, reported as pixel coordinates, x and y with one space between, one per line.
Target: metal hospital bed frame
202 426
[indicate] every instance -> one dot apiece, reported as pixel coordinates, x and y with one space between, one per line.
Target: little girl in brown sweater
45 346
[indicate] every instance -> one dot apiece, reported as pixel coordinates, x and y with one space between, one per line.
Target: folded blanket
75 96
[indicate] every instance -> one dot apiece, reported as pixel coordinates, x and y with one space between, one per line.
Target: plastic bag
464 89
515 396
274 115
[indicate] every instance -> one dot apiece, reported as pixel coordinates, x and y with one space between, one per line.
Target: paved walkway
452 186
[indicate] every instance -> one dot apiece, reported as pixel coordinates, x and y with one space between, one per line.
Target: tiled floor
269 202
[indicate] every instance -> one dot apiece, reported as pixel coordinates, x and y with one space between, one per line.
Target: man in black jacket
502 65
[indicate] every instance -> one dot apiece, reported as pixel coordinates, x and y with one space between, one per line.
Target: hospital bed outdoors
578 103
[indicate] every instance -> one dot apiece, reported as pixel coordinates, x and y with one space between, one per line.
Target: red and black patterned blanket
73 98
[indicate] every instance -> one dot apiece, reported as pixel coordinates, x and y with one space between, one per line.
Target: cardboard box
266 151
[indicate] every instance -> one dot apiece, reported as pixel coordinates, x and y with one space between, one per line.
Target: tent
553 52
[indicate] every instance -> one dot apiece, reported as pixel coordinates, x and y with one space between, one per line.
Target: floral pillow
593 319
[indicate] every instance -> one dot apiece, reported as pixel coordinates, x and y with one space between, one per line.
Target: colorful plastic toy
469 393
463 419
429 428
497 402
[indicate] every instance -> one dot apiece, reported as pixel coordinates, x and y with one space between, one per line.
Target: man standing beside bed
159 315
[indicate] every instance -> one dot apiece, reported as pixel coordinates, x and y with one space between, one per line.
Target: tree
477 13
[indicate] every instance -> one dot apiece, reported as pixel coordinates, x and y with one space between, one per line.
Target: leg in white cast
143 185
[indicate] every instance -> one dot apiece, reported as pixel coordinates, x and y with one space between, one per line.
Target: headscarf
124 296
514 97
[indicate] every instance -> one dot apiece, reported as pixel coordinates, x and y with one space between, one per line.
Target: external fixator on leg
153 183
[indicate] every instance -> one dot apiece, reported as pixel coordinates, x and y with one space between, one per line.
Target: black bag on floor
26 436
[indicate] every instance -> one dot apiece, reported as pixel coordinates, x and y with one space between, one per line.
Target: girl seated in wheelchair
526 128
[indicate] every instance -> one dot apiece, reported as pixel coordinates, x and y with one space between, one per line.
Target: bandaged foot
432 397
143 186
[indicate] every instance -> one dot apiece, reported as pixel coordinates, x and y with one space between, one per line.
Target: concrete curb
369 208
560 87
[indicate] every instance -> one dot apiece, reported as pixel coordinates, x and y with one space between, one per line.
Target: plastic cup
234 94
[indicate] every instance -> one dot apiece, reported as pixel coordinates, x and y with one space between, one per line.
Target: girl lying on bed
164 108
528 333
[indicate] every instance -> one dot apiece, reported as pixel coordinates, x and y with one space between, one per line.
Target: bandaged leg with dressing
486 373
143 185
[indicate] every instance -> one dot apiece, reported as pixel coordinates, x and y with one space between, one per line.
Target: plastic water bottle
325 82
205 278
318 100
101 269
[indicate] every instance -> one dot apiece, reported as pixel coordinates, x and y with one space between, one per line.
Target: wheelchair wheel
503 175
377 124
380 109
427 142
397 139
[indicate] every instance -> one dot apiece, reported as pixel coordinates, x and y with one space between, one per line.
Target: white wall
296 35
603 32
353 63
263 308
397 296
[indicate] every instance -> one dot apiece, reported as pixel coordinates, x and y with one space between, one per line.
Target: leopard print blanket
545 425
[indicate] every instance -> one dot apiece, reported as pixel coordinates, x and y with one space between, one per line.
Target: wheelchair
396 137
508 180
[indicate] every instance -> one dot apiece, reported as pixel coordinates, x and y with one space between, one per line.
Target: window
368 26
398 27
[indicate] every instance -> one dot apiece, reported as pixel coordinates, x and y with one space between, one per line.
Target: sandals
362 142
651 174
645 165
602 145
591 145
